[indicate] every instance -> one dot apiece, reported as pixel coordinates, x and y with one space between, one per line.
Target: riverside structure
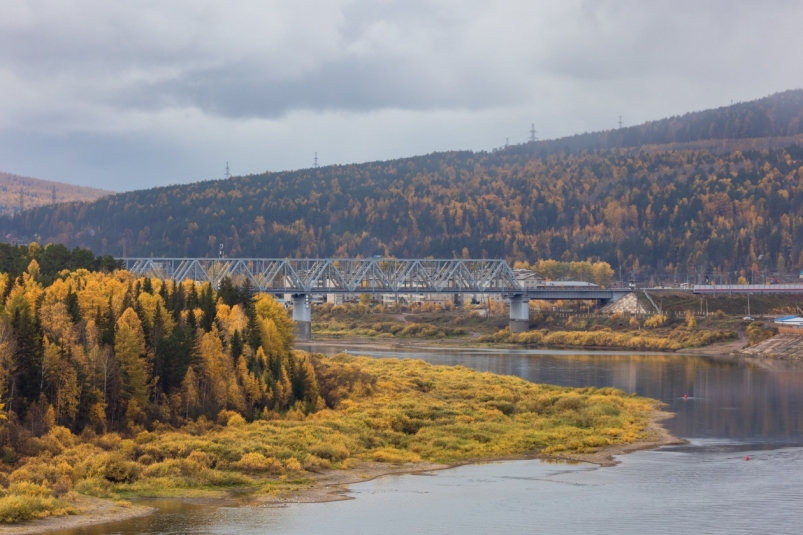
301 278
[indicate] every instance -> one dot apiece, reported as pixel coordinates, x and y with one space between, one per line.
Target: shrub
120 470
14 509
235 421
95 486
201 458
292 465
313 463
395 456
658 320
255 462
111 466
330 452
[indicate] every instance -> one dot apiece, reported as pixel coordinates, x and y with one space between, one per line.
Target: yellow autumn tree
129 349
216 366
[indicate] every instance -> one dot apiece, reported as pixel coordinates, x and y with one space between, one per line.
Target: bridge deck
358 276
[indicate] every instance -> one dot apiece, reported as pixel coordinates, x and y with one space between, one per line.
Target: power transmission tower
533 131
228 175
315 163
620 121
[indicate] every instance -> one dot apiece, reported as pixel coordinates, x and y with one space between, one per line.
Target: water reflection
727 398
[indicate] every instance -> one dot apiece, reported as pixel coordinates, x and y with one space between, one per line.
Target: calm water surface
734 408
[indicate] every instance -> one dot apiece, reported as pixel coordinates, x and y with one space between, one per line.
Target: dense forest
659 210
115 352
52 259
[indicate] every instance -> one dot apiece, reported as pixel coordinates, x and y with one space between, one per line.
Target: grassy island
388 410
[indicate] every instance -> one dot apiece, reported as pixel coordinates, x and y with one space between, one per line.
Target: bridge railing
338 275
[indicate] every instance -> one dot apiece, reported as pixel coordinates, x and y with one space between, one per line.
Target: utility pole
533 131
315 164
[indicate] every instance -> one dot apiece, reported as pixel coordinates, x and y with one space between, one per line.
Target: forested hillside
665 211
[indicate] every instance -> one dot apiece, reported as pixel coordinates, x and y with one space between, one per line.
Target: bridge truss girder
338 275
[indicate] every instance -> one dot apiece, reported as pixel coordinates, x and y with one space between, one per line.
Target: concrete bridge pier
519 314
302 315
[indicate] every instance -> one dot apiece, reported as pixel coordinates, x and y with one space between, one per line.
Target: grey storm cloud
172 89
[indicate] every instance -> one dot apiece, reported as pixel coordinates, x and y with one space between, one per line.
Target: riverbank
787 347
353 344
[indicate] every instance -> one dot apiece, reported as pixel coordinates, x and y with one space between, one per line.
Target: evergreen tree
27 360
252 334
207 306
107 334
71 301
228 293
236 346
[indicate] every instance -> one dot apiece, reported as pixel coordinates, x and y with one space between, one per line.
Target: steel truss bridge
335 275
302 277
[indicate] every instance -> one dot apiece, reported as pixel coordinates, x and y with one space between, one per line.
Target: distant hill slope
776 116
36 192
654 208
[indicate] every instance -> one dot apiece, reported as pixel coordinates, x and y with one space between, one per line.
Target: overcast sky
132 94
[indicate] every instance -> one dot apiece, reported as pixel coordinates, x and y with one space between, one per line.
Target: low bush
26 501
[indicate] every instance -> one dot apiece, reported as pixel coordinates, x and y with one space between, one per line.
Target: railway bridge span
304 277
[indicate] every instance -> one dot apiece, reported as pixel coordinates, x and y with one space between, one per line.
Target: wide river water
734 409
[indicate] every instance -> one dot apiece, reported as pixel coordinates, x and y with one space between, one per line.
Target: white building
528 279
789 321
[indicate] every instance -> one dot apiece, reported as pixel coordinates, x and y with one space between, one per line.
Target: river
728 409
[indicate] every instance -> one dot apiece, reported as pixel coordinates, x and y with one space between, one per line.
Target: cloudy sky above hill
133 94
